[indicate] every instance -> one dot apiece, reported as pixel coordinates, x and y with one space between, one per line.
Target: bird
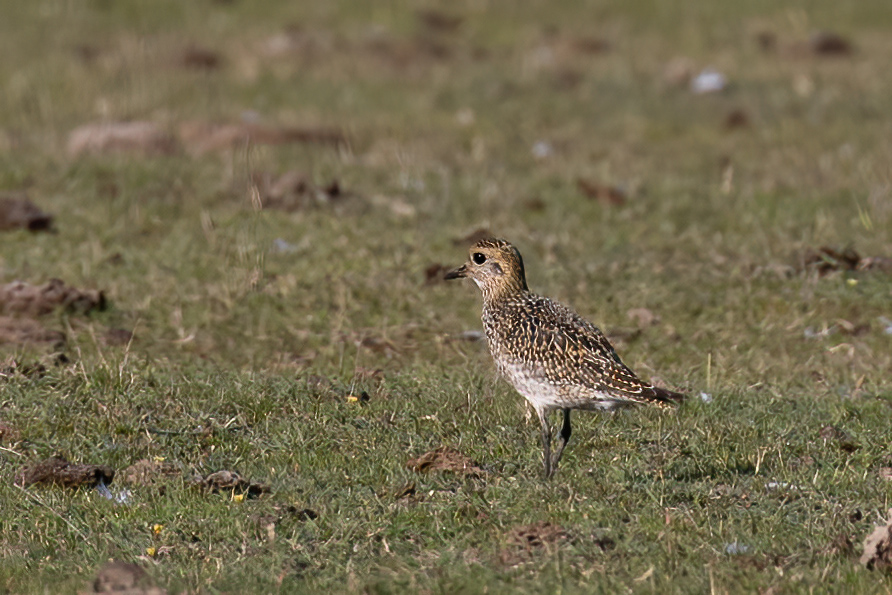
550 354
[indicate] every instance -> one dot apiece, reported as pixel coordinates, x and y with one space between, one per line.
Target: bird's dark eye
479 258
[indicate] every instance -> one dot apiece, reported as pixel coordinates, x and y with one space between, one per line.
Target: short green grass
747 492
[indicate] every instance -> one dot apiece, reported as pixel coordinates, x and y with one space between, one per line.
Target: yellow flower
238 497
157 528
151 552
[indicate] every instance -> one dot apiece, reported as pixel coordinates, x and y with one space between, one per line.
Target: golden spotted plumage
554 358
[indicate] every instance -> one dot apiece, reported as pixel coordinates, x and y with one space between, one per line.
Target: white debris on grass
542 150
121 497
709 80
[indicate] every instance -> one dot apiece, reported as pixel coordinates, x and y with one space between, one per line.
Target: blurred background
275 184
223 230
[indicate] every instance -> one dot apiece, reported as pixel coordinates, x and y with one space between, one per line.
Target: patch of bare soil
117 337
200 58
197 137
8 433
18 212
204 137
20 298
736 118
407 491
376 344
293 191
642 317
13 367
146 472
820 44
838 437
841 545
283 513
603 193
437 21
100 138
828 43
123 578
25 331
525 541
878 547
537 535
407 55
446 459
231 481
58 471
827 259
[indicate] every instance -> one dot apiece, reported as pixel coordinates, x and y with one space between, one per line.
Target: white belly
546 396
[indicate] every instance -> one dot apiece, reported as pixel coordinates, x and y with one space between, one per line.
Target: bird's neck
496 295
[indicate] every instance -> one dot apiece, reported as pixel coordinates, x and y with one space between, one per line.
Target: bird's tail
665 397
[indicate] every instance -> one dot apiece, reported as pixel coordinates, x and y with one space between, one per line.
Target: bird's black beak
458 273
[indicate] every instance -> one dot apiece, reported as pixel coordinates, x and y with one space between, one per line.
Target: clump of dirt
283 513
407 491
17 212
25 331
293 191
525 541
13 367
376 344
834 435
123 578
59 472
117 337
439 22
820 44
736 118
8 433
143 137
407 54
841 545
537 535
231 481
199 58
146 472
446 459
827 259
642 317
203 137
605 194
878 547
20 298
827 43
197 137
590 45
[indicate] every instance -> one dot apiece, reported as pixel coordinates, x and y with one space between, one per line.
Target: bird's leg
546 443
566 430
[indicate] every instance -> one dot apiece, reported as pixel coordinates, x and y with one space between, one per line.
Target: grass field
288 322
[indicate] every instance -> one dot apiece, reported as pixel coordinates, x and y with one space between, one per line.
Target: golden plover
552 356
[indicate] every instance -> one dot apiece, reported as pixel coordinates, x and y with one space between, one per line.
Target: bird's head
495 266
